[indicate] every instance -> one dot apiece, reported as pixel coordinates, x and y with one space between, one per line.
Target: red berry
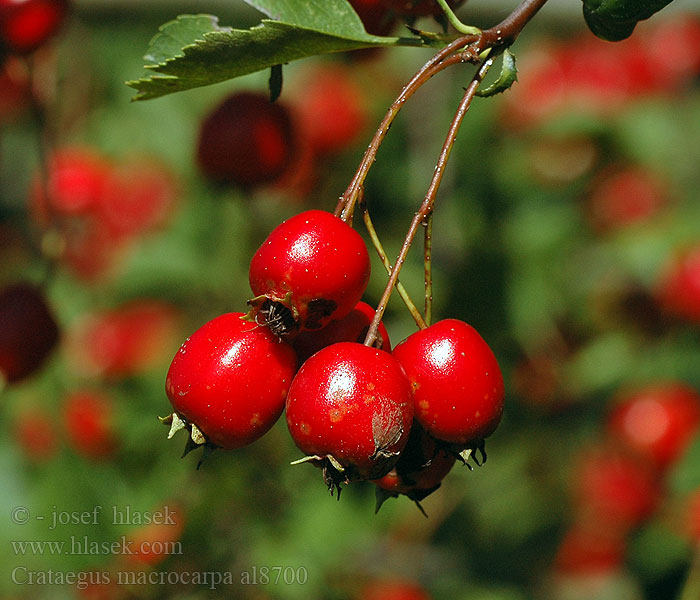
28 331
139 195
419 8
374 16
76 180
455 380
615 490
587 549
352 327
315 266
422 466
35 433
331 108
124 341
25 25
679 288
349 410
246 140
626 196
393 589
89 422
229 380
657 421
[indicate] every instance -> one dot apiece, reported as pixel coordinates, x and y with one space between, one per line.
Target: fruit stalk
429 200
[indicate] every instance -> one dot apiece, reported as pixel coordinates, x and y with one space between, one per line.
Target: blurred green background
566 300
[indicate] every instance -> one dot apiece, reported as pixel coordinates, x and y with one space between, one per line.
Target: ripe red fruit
626 196
124 341
393 589
246 140
588 549
374 16
419 8
35 433
456 382
76 179
25 25
657 421
312 268
422 466
352 327
613 489
331 108
679 288
28 331
88 418
228 382
139 195
349 410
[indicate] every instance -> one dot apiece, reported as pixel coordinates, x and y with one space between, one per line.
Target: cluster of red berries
587 75
90 208
621 482
399 418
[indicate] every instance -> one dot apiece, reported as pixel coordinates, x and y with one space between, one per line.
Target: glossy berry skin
419 8
679 289
28 331
246 140
352 327
89 423
230 379
352 403
25 25
455 380
657 422
314 264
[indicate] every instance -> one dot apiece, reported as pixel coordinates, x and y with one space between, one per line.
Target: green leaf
507 77
615 20
194 50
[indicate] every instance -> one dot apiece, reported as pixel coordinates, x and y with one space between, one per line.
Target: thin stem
415 313
446 57
429 200
506 31
455 22
428 266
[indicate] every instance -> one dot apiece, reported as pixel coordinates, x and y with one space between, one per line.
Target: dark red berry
455 380
349 410
246 140
657 421
315 266
25 25
375 17
28 331
422 466
352 327
228 382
